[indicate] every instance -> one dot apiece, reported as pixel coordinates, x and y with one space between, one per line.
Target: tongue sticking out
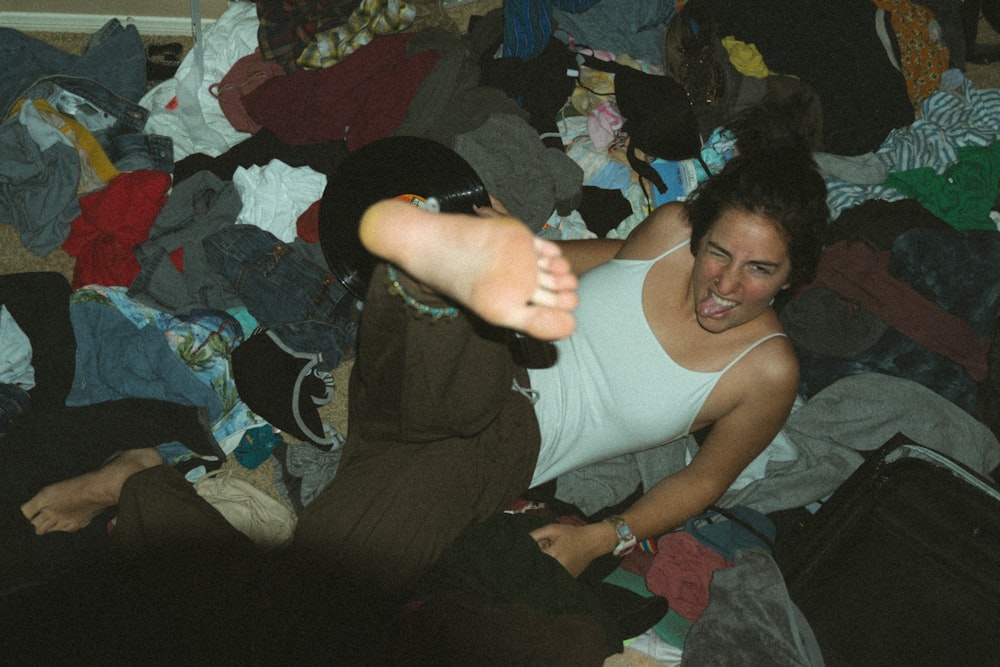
710 307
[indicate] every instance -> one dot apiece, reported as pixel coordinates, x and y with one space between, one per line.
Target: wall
161 17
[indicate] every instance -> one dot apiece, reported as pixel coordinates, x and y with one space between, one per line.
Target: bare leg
492 264
71 504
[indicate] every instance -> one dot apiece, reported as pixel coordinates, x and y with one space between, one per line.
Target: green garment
964 194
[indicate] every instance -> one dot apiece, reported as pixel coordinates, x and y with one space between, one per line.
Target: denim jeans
100 90
196 208
288 288
114 59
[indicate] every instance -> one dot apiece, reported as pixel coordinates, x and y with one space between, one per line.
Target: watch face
621 528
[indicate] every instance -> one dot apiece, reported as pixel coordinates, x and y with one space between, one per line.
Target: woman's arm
732 443
585 254
663 228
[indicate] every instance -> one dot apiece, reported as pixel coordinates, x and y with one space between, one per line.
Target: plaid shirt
314 34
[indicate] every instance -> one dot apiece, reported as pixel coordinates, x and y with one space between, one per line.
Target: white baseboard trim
89 23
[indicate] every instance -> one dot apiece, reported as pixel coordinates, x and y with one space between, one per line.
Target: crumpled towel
682 572
276 194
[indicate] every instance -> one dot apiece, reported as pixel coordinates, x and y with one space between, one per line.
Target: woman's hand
575 546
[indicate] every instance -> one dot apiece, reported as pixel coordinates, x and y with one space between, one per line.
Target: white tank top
614 389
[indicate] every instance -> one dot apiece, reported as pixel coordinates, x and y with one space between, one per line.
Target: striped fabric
948 121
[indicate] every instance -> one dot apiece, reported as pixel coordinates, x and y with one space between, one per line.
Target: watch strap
626 540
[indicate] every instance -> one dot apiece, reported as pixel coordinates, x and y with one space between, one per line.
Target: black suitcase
901 565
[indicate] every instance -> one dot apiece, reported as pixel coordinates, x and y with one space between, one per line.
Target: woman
667 332
664 342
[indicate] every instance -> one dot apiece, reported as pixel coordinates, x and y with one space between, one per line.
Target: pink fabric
112 222
247 74
682 572
362 98
603 124
638 562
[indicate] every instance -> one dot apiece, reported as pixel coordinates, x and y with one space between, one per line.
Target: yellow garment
96 169
592 88
746 58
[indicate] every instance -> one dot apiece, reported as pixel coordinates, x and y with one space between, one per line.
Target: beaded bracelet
647 545
420 309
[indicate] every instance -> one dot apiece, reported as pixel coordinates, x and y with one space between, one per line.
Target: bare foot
492 264
71 504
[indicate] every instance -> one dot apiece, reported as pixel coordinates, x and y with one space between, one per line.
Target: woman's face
741 265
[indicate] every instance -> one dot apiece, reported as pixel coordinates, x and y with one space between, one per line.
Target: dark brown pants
437 439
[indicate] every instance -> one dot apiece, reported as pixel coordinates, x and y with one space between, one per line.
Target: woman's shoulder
770 354
664 228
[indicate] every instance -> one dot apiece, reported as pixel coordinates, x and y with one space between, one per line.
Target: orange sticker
426 203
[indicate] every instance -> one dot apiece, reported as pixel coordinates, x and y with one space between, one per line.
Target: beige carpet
985 76
429 12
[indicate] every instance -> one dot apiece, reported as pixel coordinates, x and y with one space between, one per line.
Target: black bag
659 120
692 53
901 565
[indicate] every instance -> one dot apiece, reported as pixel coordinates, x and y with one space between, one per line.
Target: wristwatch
626 540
